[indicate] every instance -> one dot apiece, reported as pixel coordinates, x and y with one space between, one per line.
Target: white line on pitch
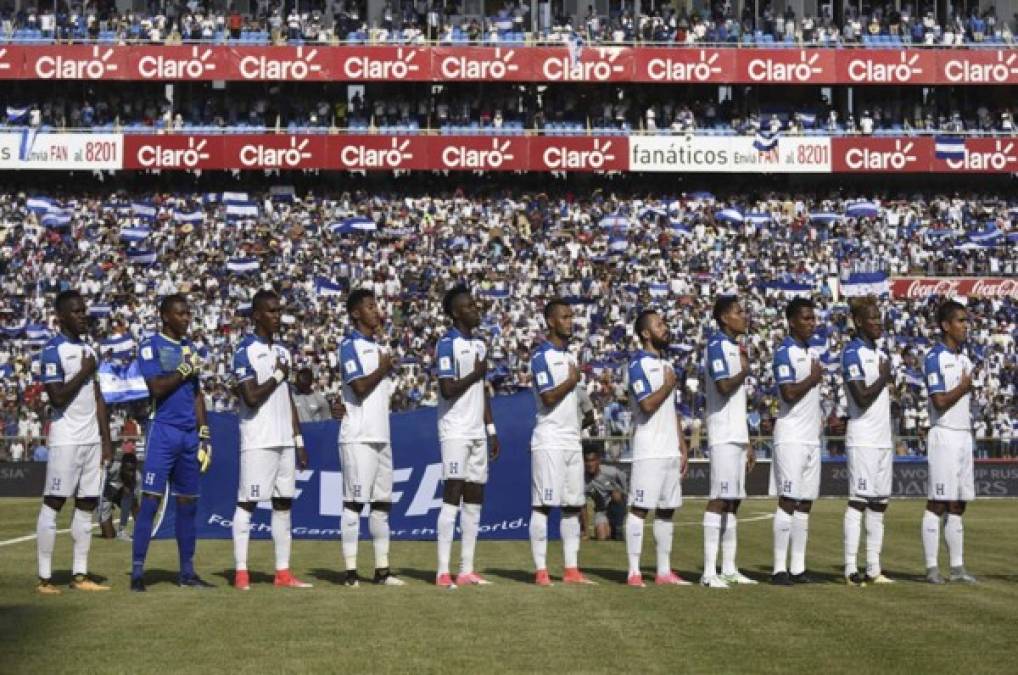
30 537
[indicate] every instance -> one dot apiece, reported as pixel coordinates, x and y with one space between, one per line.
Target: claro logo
466 68
1001 70
368 68
363 157
161 67
461 157
265 68
158 157
557 157
669 70
258 155
60 68
563 68
868 70
1002 158
898 159
778 71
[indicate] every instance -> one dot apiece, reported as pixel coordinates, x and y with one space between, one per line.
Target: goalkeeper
178 445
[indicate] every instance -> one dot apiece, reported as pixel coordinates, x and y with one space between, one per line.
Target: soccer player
466 432
869 445
795 471
727 366
271 446
178 446
79 442
659 450
364 440
949 446
556 452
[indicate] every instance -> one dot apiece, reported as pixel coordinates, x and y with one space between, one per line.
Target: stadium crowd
608 254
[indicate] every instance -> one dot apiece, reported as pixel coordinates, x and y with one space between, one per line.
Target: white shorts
74 470
267 473
952 472
367 472
728 471
465 459
870 473
795 471
556 477
656 483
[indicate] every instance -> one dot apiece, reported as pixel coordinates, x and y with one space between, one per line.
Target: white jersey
367 419
77 423
726 415
870 428
558 427
802 423
270 425
462 418
655 436
943 370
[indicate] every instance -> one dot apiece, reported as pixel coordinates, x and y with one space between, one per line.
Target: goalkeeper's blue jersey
160 355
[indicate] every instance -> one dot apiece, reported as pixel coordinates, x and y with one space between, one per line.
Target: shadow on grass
255 577
518 575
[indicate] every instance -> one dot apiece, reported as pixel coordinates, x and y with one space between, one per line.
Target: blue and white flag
657 290
987 235
618 244
27 143
913 378
575 49
241 210
144 210
242 265
118 345
495 293
100 309
808 120
193 217
950 147
729 216
758 218
824 218
120 384
766 141
37 331
653 212
17 115
235 197
680 228
56 219
134 233
865 283
14 330
41 204
353 224
792 288
141 257
618 220
862 210
327 287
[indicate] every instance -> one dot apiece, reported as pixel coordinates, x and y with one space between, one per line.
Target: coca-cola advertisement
973 287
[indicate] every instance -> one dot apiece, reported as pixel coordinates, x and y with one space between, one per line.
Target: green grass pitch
514 626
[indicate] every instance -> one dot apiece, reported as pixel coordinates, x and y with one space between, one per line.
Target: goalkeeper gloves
204 448
190 363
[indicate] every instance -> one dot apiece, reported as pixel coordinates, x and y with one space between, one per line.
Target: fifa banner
510 63
970 287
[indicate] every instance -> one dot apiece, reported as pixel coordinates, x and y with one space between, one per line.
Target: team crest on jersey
853 370
638 386
784 371
542 379
51 369
445 363
719 365
933 379
146 352
351 367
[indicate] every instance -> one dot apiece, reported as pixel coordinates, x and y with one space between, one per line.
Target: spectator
606 486
311 405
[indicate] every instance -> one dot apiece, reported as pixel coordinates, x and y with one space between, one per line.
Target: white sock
241 535
470 522
954 535
853 530
378 523
874 541
351 526
570 530
46 534
81 533
711 539
800 533
282 537
634 542
728 544
446 531
539 539
664 531
782 533
931 538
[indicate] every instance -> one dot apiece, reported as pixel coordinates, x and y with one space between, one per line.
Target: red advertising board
978 66
887 66
295 64
70 62
881 155
786 66
982 155
594 64
480 153
984 287
486 64
388 64
277 151
684 65
380 153
174 152
176 63
582 153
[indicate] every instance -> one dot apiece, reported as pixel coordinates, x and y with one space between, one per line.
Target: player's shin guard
729 541
874 542
570 530
446 531
954 535
853 530
931 538
711 539
634 542
378 523
664 531
470 522
46 536
782 534
351 527
142 535
539 539
800 535
81 533
241 535
187 538
282 537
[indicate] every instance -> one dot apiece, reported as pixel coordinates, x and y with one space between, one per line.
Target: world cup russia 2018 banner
417 479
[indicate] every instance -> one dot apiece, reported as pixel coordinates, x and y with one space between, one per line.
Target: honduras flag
353 224
865 283
235 198
100 310
765 141
617 220
824 218
986 236
758 218
242 265
618 244
792 288
56 219
41 204
37 331
863 210
193 217
658 290
134 234
144 210
119 345
27 143
495 293
15 330
950 147
241 210
729 216
327 287
141 257
120 384
680 228
913 378
17 115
